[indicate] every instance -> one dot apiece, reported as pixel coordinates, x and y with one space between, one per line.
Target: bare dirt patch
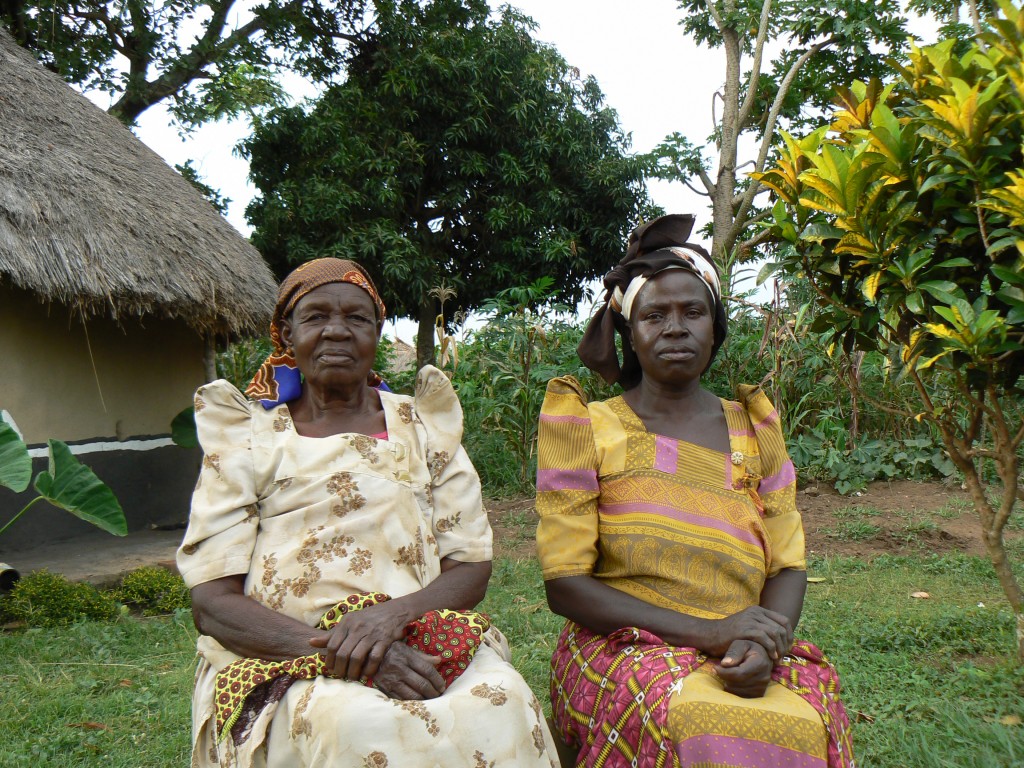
901 517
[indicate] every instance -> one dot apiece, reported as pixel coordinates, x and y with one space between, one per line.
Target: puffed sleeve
459 522
224 521
567 486
777 486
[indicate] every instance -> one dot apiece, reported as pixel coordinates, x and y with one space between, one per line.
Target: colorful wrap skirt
628 699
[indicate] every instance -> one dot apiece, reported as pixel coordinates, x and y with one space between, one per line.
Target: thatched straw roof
92 218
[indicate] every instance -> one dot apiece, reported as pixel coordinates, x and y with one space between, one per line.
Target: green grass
926 682
113 695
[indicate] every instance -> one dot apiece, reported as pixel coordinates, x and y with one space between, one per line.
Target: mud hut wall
77 379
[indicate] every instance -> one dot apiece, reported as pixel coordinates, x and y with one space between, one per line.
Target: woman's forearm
784 593
243 626
461 586
604 609
246 627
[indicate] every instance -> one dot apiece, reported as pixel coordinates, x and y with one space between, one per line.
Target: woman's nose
336 329
676 325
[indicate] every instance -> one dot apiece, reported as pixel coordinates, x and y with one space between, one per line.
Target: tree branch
709 185
769 132
702 193
755 71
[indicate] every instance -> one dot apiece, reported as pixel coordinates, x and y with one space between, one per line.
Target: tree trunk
725 182
425 333
993 520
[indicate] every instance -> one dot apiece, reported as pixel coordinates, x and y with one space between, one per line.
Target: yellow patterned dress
310 521
690 529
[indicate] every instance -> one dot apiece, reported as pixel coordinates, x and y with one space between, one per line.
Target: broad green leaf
959 261
15 463
1007 275
943 290
72 486
767 271
939 178
183 429
914 303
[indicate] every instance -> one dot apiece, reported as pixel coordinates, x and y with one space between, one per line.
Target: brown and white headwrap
278 379
658 245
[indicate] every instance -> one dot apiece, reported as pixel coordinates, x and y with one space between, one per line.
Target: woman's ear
286 333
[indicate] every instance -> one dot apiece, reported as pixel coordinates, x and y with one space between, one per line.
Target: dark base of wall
154 488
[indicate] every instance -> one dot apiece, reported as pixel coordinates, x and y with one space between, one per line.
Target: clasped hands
371 643
750 643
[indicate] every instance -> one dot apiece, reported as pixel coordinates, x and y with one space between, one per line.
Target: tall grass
928 683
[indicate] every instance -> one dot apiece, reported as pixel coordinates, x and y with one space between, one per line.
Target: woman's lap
628 697
489 714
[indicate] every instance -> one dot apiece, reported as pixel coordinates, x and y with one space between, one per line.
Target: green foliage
183 428
153 591
241 359
15 461
501 377
195 54
67 484
44 599
783 61
459 152
907 222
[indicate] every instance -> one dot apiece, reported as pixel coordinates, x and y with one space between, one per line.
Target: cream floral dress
313 520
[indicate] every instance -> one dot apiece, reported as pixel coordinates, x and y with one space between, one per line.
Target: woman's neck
322 412
691 413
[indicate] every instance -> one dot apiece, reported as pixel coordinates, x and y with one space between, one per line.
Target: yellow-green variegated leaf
930 361
942 331
870 287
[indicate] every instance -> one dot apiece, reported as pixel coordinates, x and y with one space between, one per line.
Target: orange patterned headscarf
278 380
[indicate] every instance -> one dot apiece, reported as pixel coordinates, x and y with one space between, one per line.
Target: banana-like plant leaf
183 429
71 485
15 463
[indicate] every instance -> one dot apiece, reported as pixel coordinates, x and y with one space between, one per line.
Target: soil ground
898 518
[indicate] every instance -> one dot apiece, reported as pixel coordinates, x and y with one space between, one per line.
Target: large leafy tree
205 58
459 154
907 219
816 46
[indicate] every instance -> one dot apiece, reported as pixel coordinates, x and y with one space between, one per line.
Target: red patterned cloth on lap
249 684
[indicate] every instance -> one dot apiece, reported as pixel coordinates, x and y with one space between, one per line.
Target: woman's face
333 333
672 327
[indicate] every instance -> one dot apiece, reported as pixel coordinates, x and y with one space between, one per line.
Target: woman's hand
409 675
769 629
355 647
745 670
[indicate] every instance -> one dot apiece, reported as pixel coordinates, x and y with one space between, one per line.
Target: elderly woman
336 547
670 540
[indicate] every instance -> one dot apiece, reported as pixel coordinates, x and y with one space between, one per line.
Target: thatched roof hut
92 218
115 276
